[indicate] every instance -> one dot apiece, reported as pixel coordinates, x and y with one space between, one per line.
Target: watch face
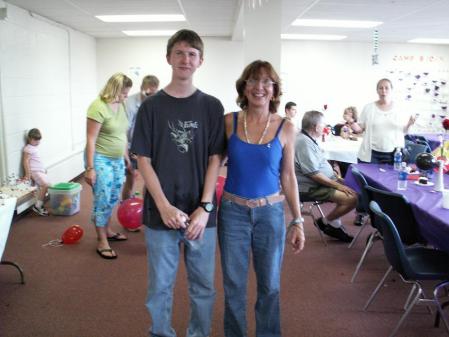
208 206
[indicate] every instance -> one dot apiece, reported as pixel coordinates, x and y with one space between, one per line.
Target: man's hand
173 217
346 190
198 222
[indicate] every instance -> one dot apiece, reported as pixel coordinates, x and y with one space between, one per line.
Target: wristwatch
296 221
207 206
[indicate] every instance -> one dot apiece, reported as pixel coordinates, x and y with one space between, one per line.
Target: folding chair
414 264
309 212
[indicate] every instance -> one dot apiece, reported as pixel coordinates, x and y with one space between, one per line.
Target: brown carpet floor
71 292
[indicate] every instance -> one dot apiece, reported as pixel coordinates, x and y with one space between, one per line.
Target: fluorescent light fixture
335 23
142 18
149 32
429 41
312 37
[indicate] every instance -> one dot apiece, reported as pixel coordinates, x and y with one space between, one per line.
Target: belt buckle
252 203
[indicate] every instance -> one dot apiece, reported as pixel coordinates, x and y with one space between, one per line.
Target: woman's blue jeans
163 252
259 231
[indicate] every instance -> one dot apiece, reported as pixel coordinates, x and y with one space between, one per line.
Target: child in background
35 170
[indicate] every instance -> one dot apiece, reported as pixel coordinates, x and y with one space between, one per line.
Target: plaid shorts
320 193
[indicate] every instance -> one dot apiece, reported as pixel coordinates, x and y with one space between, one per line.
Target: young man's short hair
187 36
150 81
289 105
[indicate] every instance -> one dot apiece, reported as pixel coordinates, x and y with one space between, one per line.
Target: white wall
137 57
48 78
340 74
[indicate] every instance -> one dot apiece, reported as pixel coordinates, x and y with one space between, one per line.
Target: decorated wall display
422 82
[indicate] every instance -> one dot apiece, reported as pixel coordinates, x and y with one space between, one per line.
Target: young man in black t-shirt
179 140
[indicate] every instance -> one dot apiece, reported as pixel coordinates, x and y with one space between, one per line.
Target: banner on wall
422 81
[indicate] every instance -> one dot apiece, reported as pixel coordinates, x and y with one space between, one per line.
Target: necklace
245 129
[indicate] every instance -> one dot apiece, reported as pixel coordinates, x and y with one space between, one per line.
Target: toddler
35 170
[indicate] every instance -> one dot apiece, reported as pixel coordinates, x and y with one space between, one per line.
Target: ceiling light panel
335 23
429 41
142 18
149 32
321 37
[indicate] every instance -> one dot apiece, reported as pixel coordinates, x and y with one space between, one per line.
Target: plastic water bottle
397 159
402 177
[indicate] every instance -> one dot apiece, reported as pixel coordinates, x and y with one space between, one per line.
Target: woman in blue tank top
251 216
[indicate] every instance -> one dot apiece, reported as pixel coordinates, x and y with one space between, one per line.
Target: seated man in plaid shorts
318 181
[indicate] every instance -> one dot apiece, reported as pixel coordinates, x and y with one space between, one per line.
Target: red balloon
129 213
72 234
219 188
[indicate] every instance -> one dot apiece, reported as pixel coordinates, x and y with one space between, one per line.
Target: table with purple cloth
432 218
433 139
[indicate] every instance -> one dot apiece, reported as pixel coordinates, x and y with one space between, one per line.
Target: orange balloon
72 234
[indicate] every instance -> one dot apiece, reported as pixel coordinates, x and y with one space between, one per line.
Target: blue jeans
260 231
163 251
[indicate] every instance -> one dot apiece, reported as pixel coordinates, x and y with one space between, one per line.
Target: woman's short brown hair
253 70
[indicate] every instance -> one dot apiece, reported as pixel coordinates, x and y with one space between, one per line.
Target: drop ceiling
403 19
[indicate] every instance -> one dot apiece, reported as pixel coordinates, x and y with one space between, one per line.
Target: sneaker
42 211
359 219
338 233
320 224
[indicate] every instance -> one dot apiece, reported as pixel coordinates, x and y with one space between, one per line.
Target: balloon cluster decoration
130 213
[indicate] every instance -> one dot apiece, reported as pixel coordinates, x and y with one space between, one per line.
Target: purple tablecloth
433 139
432 218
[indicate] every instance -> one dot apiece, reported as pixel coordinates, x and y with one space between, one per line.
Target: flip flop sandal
117 237
102 252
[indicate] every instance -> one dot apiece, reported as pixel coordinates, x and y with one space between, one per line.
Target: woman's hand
90 176
296 237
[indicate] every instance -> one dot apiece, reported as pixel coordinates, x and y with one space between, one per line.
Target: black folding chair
414 264
364 199
309 212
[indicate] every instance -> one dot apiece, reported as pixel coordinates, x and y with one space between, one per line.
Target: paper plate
429 183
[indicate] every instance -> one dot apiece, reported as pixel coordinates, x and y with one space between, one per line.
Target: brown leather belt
253 203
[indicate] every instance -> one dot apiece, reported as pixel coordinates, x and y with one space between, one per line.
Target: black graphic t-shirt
179 135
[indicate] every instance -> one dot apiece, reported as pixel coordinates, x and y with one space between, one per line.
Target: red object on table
219 188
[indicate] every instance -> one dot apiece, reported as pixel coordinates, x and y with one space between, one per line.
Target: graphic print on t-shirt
182 134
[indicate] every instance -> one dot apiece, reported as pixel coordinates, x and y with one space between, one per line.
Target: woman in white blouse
384 124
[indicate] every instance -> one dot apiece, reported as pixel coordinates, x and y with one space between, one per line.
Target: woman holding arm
251 218
384 125
350 117
106 149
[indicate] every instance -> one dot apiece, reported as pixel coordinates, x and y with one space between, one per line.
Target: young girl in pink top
35 170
